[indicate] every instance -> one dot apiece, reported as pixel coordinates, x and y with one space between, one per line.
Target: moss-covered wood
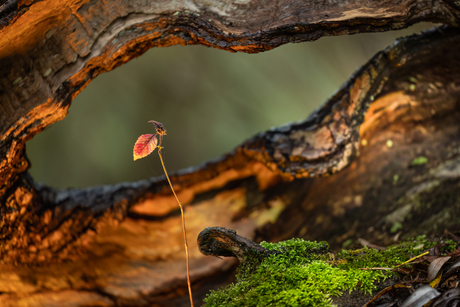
304 273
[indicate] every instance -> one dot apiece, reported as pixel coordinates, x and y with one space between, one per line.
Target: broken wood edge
328 140
223 242
96 206
108 233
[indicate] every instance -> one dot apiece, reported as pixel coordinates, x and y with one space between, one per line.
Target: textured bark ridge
386 144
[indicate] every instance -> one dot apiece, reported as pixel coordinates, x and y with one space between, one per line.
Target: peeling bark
346 172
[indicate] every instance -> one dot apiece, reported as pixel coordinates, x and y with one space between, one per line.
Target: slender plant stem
183 224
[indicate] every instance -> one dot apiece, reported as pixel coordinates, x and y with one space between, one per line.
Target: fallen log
379 160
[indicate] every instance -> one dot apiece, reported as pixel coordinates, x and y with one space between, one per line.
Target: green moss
307 274
420 161
347 243
395 227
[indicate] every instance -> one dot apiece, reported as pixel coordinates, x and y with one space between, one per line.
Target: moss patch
307 274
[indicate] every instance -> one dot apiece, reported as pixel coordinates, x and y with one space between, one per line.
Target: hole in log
209 100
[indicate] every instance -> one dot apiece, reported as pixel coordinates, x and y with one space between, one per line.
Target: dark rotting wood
223 242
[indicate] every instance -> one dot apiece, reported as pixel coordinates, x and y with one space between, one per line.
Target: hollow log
379 160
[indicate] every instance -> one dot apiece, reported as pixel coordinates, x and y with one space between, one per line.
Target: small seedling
144 146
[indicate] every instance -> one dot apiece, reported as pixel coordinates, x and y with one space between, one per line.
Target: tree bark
379 160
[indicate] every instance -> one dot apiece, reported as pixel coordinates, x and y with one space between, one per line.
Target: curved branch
219 241
324 144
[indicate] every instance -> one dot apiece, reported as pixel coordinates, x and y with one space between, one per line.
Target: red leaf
144 146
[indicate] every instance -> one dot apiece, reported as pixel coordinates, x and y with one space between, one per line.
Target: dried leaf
158 127
385 291
435 282
364 242
435 266
420 297
144 146
456 264
452 273
449 298
436 250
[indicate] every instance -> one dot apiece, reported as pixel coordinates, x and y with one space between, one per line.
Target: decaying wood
223 242
348 171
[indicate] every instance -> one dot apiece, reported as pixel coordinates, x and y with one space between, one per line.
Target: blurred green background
209 101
